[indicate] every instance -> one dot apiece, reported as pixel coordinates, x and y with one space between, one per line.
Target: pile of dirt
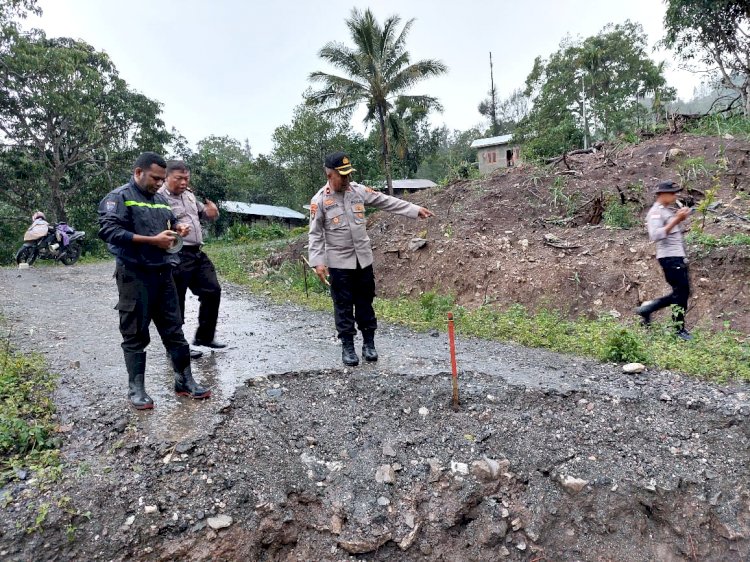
335 465
535 236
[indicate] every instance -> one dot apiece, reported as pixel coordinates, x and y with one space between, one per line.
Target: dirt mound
536 236
325 465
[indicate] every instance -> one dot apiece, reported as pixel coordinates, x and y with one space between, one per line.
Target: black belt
193 249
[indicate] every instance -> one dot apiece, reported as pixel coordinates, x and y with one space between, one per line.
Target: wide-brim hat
667 187
340 162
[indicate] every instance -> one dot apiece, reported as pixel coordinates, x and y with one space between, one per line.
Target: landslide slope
543 236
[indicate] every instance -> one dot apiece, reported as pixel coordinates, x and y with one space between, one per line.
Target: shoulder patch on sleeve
110 205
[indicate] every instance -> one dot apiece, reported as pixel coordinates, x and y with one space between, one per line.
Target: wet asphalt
67 315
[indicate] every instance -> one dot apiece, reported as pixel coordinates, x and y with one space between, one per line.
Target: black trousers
676 274
353 291
148 294
197 273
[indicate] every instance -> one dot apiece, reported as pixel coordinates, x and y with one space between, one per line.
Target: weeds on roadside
26 410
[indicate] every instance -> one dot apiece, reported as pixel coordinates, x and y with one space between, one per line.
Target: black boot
348 354
368 346
135 362
184 384
645 311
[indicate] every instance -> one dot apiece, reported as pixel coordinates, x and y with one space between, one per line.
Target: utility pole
493 96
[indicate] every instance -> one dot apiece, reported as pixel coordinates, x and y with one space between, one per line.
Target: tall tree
378 71
66 114
300 148
716 33
489 107
613 70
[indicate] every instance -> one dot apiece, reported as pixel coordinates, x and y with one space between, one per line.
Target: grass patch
704 243
27 430
721 124
717 356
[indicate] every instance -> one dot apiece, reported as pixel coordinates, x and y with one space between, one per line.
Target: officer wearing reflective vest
138 225
339 249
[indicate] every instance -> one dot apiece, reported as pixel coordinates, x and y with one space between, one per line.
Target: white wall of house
498 156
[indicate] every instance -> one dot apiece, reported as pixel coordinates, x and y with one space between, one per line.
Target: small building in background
402 187
263 215
496 152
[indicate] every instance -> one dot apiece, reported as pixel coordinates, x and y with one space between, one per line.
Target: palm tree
377 73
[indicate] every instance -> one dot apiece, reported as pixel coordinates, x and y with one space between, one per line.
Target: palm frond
415 73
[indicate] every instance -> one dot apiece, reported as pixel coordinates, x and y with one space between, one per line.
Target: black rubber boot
184 384
348 354
369 353
644 311
136 366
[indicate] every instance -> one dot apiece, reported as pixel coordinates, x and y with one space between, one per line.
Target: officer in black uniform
138 225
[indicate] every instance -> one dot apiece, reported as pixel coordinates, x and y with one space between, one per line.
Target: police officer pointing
664 225
339 248
138 224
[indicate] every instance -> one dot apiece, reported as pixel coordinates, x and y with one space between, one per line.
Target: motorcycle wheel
71 254
26 255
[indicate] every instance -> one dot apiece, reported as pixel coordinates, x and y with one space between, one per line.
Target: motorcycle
62 243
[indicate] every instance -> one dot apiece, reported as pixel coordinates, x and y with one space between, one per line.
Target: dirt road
312 462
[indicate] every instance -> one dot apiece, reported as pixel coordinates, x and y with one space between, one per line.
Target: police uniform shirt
667 244
188 210
338 227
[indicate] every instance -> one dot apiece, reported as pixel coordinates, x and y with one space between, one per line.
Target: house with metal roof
254 213
401 187
496 152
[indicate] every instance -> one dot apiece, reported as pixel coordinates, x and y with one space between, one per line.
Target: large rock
362 546
633 368
219 522
385 474
572 485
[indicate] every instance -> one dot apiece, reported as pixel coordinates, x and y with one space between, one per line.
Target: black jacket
128 210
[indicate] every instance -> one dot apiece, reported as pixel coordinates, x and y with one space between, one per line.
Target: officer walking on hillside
138 226
339 249
664 225
195 270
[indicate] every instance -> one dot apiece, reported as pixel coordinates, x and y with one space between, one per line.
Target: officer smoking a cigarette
340 251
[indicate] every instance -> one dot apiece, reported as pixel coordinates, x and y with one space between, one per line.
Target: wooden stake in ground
454 369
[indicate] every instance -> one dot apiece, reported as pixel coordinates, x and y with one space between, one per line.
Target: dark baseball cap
340 162
667 186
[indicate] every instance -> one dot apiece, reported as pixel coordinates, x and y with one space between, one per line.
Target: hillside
541 237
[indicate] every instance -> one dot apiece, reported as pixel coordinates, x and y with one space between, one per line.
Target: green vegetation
26 411
704 243
719 356
620 215
378 73
721 124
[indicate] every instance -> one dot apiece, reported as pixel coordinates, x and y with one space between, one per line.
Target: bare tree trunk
746 96
58 201
386 150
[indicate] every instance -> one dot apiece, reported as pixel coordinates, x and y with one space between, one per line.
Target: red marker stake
454 369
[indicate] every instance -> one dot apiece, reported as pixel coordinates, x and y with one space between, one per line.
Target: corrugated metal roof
492 141
413 184
260 210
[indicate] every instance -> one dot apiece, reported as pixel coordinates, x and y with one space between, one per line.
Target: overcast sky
238 67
